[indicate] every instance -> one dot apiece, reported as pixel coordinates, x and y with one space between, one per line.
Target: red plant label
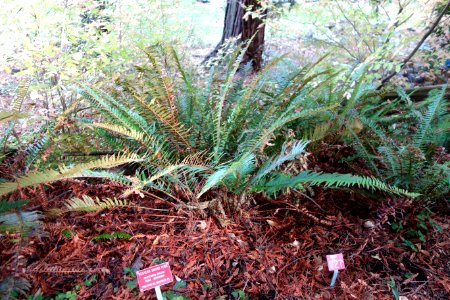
335 262
153 277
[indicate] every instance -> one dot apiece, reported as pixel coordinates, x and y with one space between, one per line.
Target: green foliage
129 278
65 172
170 295
281 181
15 113
393 286
11 205
13 219
113 235
414 233
239 294
407 151
89 204
14 288
217 126
68 233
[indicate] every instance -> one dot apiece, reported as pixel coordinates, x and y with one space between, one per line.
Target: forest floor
270 249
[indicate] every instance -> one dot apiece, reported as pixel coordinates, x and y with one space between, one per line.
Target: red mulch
271 249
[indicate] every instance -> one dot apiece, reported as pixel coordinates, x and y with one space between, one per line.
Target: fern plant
408 151
15 112
169 115
113 235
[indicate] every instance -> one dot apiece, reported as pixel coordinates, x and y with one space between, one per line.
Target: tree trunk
235 26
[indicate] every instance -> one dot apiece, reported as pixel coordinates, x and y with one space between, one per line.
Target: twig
425 36
354 27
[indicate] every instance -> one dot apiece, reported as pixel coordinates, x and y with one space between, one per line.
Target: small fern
113 235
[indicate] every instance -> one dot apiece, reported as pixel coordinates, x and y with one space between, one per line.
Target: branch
426 35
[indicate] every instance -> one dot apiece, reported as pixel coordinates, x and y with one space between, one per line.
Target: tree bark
236 26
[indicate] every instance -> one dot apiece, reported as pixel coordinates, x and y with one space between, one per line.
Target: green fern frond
65 172
34 150
11 205
334 180
16 106
273 163
146 140
265 134
234 63
89 204
6 116
21 94
363 152
436 98
387 147
114 235
237 169
11 286
164 172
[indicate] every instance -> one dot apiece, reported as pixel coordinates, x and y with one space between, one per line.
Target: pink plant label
153 277
335 262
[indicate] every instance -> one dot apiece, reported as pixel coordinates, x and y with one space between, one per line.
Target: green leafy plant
219 128
68 233
418 229
239 294
404 142
14 114
129 278
393 286
113 235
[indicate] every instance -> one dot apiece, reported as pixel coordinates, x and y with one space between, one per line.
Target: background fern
405 152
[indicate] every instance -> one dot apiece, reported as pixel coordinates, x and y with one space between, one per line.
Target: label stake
335 263
158 293
333 279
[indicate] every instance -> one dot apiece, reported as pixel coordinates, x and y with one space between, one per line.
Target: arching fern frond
437 99
238 169
149 142
89 204
176 130
264 135
334 180
65 172
273 163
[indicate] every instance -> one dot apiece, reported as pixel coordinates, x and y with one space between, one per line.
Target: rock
369 224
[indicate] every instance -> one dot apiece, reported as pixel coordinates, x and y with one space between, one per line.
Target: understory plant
191 132
223 127
404 143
